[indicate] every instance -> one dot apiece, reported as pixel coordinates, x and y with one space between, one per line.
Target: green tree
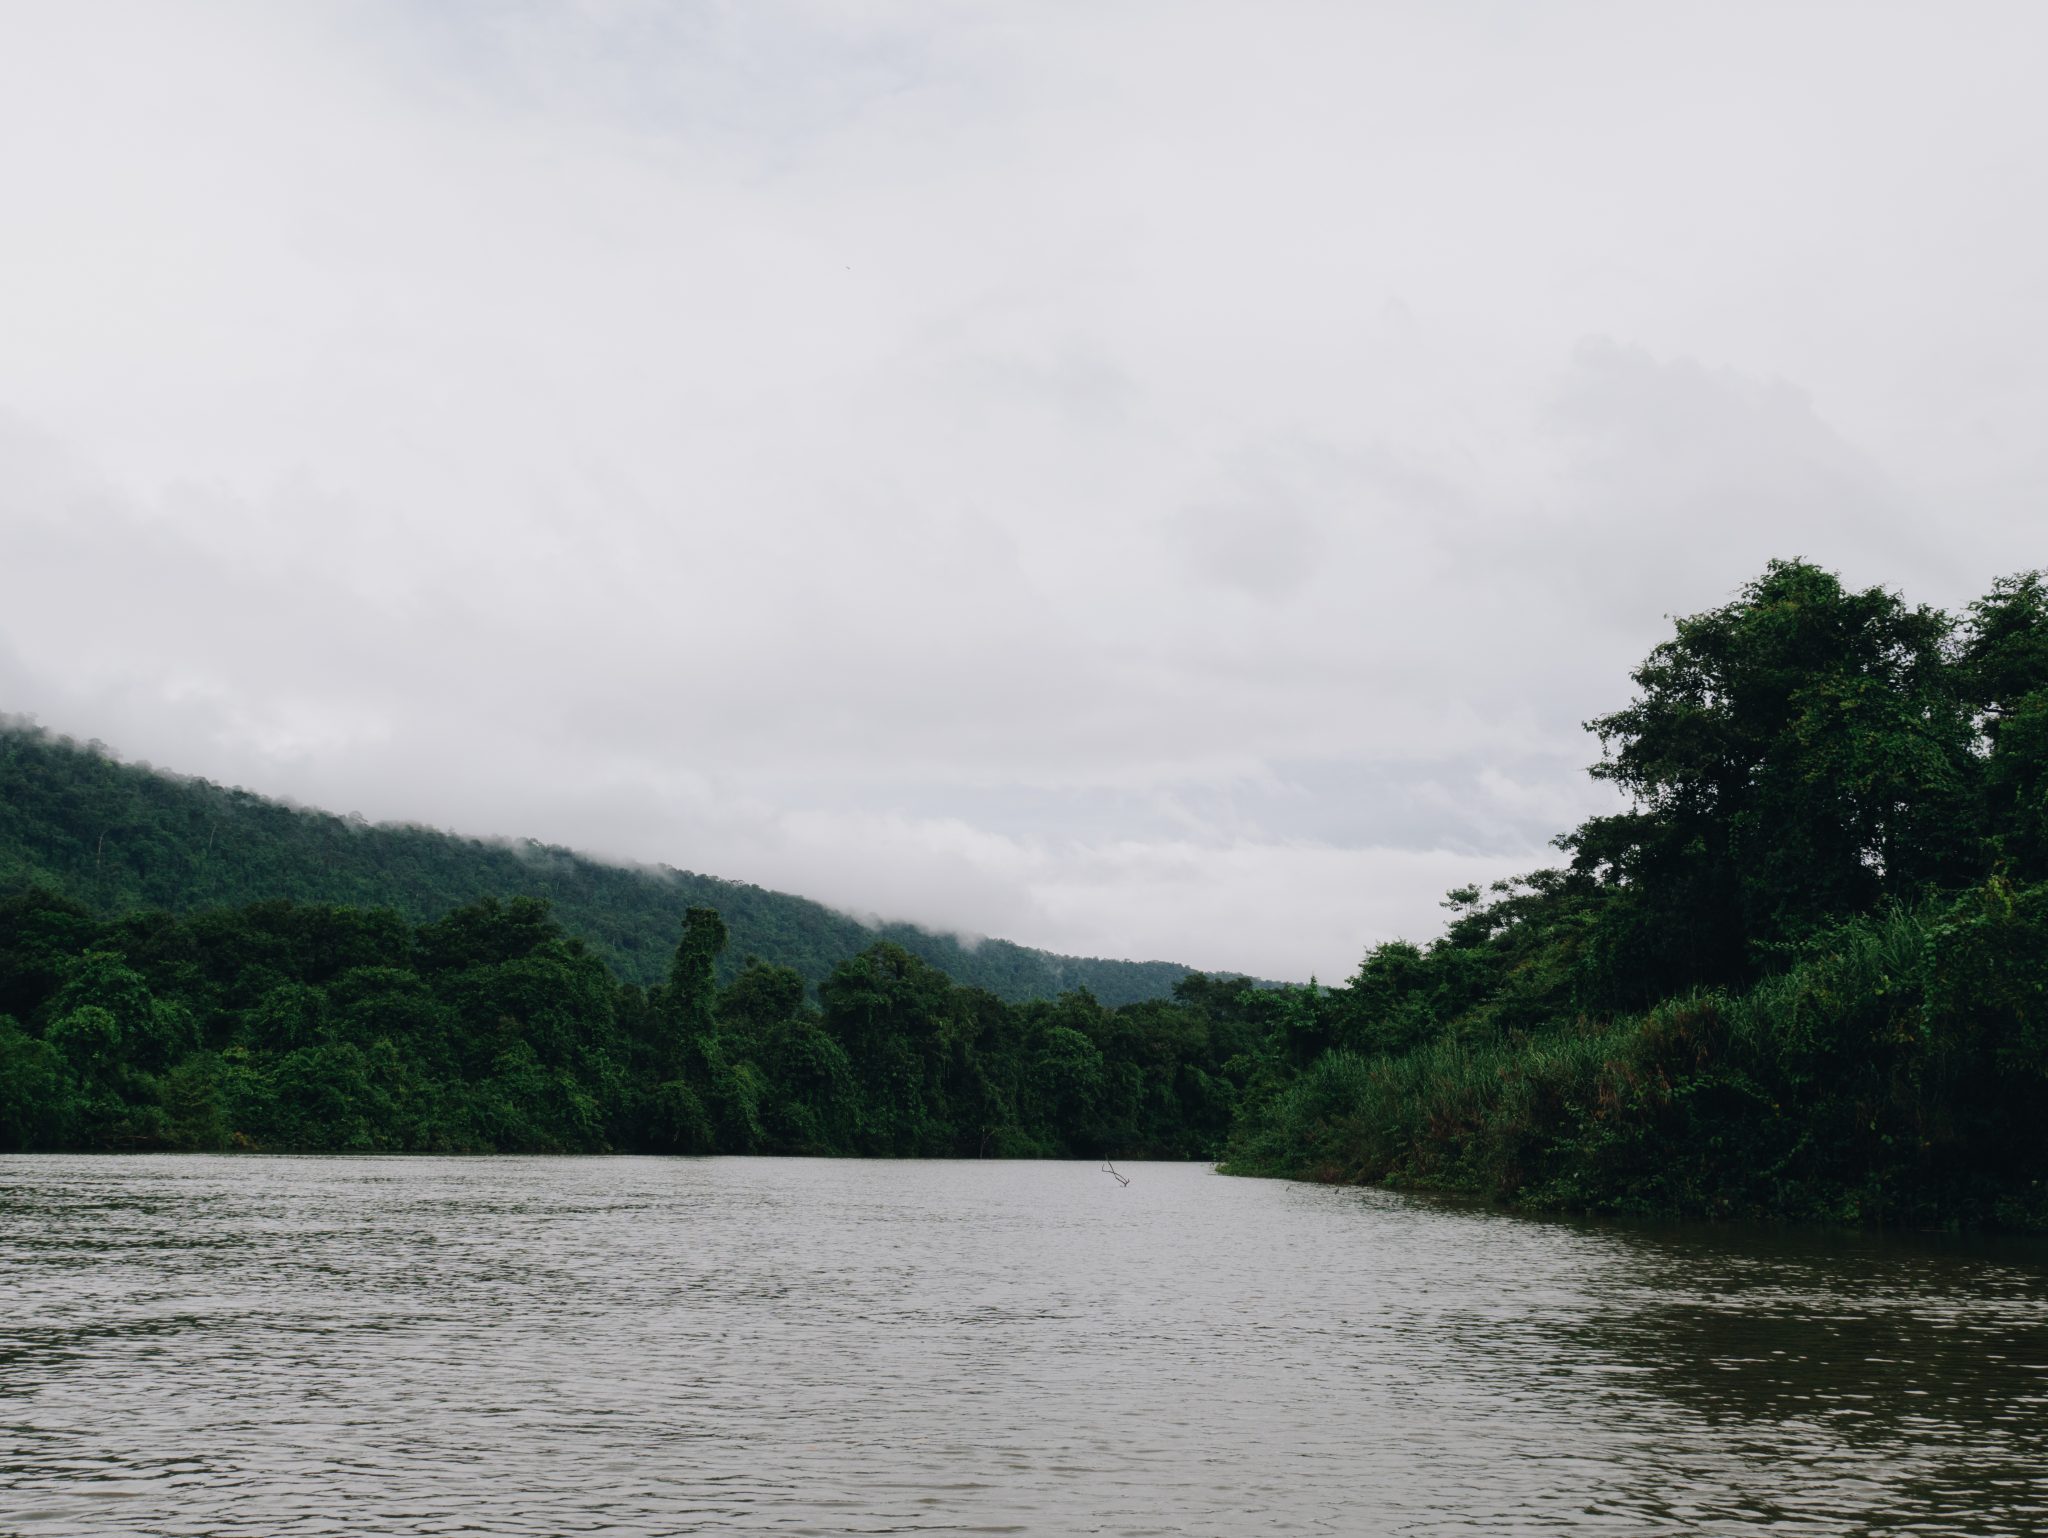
1068 1081
37 1092
1801 753
810 1102
690 1003
2004 670
888 1011
194 1104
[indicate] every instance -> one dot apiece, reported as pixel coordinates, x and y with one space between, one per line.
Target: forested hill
1804 974
119 837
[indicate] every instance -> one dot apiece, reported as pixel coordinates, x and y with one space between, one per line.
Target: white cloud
1139 479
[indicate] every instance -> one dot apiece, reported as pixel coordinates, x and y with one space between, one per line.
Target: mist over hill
119 836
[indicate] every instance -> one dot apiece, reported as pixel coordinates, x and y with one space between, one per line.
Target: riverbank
1892 1076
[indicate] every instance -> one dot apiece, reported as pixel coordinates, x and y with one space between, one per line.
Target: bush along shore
1801 972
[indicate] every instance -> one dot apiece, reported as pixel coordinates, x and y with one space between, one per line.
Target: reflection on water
194 1345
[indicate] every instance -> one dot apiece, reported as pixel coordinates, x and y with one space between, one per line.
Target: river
293 1346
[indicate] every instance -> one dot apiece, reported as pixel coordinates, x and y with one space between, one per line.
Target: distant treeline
1804 975
121 837
291 1026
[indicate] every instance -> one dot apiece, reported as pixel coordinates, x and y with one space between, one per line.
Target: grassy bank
1893 1073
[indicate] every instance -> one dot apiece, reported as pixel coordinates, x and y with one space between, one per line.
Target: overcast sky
1137 479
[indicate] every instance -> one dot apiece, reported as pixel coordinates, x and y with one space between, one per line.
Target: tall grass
1895 1071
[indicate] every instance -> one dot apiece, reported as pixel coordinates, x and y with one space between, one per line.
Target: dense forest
120 837
283 1025
1804 973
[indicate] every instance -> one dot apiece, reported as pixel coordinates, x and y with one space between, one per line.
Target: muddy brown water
198 1345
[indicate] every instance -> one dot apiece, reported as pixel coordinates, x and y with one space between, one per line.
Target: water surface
284 1346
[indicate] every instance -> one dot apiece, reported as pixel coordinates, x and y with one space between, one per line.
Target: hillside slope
119 836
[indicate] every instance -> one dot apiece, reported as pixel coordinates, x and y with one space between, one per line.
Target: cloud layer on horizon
1144 480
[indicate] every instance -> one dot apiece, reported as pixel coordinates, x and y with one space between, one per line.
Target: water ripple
270 1346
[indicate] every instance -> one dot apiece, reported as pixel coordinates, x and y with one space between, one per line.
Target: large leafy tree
1800 754
2004 671
699 1104
690 1002
889 1011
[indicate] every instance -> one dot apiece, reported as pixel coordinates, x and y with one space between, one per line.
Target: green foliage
489 1028
676 1121
2004 661
38 1095
195 967
195 1108
1799 754
1894 1072
1805 974
114 838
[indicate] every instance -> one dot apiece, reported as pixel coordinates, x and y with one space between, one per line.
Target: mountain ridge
117 835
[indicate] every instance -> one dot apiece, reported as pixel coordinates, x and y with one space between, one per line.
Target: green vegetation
1804 974
290 1026
118 837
